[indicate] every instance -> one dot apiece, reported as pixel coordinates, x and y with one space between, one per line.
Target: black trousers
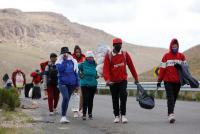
88 97
172 91
119 92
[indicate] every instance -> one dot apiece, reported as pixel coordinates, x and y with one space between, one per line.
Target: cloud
144 22
98 11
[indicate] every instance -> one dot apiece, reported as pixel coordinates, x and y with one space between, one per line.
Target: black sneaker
84 117
90 117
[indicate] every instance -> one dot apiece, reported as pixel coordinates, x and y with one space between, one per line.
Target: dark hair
52 55
77 47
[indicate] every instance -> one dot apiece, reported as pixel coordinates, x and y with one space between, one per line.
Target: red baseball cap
117 41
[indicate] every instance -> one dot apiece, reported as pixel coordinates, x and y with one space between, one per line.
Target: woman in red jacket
80 58
169 74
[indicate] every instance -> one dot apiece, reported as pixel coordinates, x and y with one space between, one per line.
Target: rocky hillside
27 38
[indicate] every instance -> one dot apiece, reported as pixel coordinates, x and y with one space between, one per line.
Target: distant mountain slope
27 38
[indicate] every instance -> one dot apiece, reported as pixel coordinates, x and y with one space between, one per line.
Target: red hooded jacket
168 72
79 60
14 74
115 70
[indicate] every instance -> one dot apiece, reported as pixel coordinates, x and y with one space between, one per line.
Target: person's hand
108 83
158 84
76 90
136 82
45 92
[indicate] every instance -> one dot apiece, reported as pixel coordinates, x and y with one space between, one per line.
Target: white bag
75 100
101 51
30 93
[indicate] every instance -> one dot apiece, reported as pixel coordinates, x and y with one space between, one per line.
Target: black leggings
88 96
172 91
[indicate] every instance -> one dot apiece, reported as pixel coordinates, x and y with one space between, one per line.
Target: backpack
52 74
43 66
110 56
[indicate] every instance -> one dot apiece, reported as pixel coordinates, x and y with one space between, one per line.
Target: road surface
141 121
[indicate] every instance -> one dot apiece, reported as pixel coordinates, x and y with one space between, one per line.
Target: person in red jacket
36 92
80 57
19 80
169 74
115 75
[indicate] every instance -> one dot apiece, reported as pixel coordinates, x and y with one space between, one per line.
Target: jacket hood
173 41
77 47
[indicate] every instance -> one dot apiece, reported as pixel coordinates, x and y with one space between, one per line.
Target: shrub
198 96
9 99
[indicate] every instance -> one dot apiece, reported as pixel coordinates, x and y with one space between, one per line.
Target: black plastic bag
145 101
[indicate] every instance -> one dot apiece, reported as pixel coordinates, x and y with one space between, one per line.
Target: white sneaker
76 115
124 119
64 120
80 113
116 120
51 113
55 111
171 118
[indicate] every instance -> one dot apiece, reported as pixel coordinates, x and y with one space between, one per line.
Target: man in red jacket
115 75
169 74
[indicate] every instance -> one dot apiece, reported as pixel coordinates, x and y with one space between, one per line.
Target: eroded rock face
47 32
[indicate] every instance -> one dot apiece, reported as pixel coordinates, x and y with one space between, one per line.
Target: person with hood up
68 79
80 57
115 75
169 74
19 80
88 82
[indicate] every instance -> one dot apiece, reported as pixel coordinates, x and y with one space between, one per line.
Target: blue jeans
66 91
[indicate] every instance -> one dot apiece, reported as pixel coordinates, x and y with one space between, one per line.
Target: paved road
141 121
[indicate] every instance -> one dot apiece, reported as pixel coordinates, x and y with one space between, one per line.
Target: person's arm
131 67
106 69
14 79
80 67
162 69
45 76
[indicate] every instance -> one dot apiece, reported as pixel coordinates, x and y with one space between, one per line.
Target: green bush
198 96
9 99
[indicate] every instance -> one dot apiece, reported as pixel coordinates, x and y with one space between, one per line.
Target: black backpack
145 101
52 75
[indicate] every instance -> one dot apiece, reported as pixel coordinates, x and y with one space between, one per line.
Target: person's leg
92 91
56 96
85 99
115 98
50 97
81 100
64 91
170 97
176 90
123 97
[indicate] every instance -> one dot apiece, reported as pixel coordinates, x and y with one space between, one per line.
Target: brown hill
27 38
193 60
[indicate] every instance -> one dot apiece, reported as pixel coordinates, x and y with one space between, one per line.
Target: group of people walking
68 73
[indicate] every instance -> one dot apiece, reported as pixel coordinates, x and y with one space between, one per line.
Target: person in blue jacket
88 76
68 79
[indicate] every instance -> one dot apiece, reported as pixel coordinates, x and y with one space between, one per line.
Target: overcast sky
143 22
